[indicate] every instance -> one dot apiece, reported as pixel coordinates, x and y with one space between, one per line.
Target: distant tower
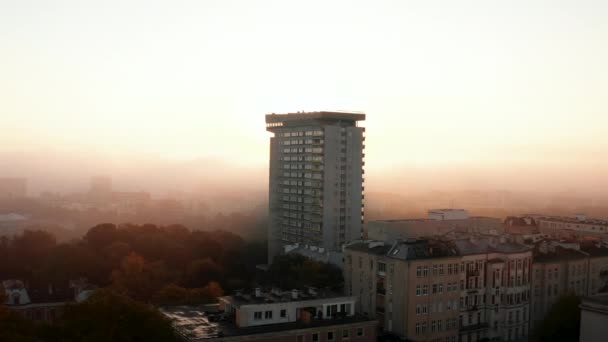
316 180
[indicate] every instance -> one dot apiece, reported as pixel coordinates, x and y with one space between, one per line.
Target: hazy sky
511 84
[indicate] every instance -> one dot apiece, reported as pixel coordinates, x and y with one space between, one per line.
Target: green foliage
177 295
171 254
293 271
562 322
108 316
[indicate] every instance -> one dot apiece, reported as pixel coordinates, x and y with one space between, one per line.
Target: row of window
306 175
300 141
303 150
423 309
302 158
331 335
301 183
435 326
268 314
444 339
301 134
437 269
423 290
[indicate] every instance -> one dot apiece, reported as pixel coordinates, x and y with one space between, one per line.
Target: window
418 271
268 315
425 271
417 328
441 269
439 327
330 335
449 268
344 334
425 290
359 331
434 288
283 313
300 338
435 269
418 292
257 315
381 267
315 337
440 288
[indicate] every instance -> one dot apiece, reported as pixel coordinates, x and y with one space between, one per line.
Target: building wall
440 304
315 199
598 275
573 225
367 330
246 313
390 294
594 326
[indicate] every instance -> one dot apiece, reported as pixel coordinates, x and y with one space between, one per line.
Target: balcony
473 273
471 308
474 327
381 291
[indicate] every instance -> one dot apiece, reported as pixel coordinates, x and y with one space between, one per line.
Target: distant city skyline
509 92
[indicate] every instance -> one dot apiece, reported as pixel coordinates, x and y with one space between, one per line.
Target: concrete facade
594 319
451 290
316 180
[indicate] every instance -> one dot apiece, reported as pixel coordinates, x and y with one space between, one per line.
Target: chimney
258 292
294 294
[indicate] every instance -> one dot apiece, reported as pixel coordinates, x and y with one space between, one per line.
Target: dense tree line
294 270
137 260
105 316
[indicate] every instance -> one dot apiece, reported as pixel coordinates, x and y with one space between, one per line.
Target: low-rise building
434 224
44 302
298 316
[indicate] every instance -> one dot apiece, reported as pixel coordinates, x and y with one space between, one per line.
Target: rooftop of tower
278 120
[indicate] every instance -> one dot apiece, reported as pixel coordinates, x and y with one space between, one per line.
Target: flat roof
281 297
322 115
194 323
559 254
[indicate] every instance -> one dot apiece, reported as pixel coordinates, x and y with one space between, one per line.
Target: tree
294 270
13 327
562 322
108 316
138 279
177 295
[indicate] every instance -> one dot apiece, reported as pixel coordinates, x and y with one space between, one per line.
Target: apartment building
494 289
443 290
316 180
410 287
594 318
578 223
556 272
